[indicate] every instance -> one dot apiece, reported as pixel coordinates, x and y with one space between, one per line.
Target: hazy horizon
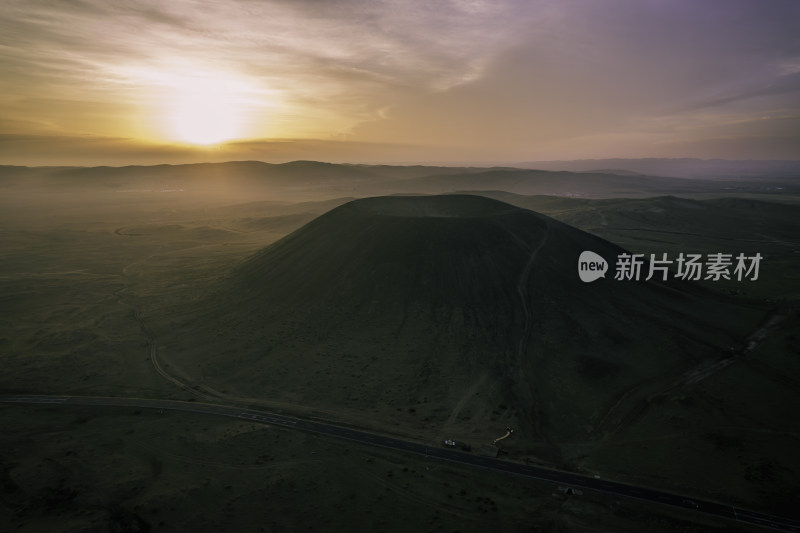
462 81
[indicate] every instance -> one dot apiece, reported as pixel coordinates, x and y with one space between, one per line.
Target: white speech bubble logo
591 266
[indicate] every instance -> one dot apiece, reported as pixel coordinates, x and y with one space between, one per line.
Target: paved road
563 478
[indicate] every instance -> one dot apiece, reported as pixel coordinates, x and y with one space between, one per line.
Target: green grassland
90 281
121 469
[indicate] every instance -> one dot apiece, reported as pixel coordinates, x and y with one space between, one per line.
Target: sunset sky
461 81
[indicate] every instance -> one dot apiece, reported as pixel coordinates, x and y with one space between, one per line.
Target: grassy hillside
673 225
451 315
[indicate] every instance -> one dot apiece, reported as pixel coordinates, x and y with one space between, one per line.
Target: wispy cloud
317 55
497 76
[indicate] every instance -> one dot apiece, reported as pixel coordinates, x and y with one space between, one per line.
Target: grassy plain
76 269
127 470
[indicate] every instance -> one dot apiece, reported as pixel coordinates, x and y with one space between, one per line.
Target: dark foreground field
138 470
101 294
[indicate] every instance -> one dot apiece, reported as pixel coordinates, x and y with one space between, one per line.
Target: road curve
564 478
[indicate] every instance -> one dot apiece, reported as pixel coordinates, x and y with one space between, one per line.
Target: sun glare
205 111
200 107
190 104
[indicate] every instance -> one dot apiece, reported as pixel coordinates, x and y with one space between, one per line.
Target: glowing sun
205 110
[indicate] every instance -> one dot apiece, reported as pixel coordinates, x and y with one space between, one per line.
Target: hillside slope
451 315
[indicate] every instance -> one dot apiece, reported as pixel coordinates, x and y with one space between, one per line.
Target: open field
88 281
138 470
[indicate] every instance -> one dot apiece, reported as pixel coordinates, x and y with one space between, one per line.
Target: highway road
563 478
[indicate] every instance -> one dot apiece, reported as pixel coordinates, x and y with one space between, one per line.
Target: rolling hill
311 180
450 315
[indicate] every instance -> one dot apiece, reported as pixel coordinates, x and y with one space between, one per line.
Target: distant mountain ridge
318 180
678 167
